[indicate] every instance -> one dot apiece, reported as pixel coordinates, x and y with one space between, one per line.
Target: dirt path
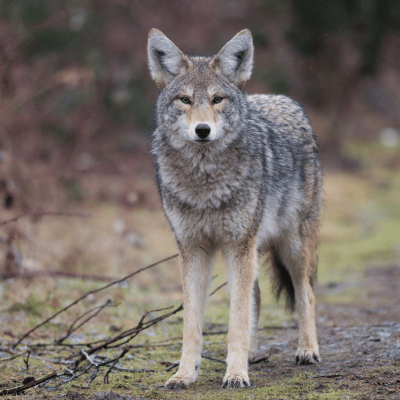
360 342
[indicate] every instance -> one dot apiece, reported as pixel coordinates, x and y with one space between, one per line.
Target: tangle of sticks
87 357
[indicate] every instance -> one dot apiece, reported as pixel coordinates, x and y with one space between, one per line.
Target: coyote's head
201 98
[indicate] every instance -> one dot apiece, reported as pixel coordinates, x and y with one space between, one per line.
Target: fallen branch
130 334
88 294
31 383
213 359
172 366
73 376
90 353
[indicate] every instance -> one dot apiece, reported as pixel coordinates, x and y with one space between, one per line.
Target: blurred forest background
76 106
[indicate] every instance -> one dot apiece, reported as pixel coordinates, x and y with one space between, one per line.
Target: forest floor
357 291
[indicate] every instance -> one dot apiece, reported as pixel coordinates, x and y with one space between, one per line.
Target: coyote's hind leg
299 256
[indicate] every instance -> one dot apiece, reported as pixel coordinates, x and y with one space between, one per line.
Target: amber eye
185 100
217 100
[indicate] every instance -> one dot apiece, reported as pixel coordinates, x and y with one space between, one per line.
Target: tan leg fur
253 353
301 263
195 267
242 273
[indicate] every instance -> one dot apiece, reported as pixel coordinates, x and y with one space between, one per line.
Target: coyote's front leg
242 273
195 267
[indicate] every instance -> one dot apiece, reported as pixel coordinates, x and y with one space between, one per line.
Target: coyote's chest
208 201
203 181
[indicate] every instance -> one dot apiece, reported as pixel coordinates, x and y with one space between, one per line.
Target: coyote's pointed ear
165 60
235 59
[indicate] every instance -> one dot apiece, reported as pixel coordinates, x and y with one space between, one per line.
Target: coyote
241 174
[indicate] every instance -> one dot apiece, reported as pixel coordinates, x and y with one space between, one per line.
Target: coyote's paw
179 382
236 381
306 356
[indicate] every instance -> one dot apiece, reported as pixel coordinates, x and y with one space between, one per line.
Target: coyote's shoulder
281 110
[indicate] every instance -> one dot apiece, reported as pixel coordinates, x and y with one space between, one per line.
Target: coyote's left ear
235 59
166 61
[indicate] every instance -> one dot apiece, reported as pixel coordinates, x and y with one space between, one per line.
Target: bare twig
14 357
27 360
119 368
219 287
73 376
88 294
86 355
213 359
124 351
129 334
93 375
31 383
172 366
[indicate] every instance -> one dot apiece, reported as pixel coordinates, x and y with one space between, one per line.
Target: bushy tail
281 279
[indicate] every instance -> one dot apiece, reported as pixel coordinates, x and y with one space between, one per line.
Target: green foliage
130 102
29 11
32 306
275 78
260 40
73 187
95 59
70 99
49 40
366 21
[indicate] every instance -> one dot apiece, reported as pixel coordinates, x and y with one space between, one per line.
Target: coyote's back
241 174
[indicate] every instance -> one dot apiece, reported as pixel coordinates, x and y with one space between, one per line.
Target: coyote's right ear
165 60
235 59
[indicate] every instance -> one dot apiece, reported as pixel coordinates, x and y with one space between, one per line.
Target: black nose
202 130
